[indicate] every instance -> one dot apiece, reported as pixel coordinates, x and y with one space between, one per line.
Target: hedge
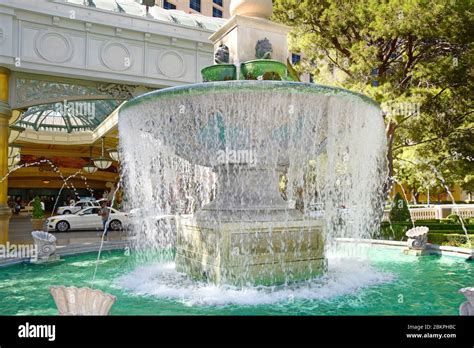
449 239
397 232
430 225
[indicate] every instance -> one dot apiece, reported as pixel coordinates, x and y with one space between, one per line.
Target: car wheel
62 226
115 225
67 212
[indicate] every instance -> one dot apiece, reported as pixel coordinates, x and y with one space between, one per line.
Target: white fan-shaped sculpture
45 243
467 308
417 237
81 301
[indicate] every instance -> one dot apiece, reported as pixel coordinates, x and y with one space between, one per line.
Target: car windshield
89 211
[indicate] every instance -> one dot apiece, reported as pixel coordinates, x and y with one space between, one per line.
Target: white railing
464 212
423 214
436 212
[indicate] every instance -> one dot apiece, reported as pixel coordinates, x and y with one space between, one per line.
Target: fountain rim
226 86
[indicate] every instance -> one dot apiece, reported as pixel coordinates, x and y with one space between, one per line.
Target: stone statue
467 308
417 237
222 55
264 49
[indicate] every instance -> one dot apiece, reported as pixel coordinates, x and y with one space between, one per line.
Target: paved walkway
21 228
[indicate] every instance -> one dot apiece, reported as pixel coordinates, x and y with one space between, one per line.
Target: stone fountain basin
199 128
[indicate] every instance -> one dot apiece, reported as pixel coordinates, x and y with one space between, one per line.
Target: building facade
66 67
210 8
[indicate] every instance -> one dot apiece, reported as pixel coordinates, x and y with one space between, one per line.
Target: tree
413 57
38 212
400 211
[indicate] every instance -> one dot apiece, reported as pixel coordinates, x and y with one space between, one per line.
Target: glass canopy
131 7
73 116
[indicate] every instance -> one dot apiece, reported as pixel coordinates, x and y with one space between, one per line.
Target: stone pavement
21 228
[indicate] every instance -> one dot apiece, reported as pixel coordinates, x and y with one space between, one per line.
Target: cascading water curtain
331 147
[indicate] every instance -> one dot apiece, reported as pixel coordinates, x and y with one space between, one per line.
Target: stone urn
252 8
81 301
467 308
45 243
417 237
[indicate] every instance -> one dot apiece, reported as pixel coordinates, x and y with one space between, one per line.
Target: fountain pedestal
250 252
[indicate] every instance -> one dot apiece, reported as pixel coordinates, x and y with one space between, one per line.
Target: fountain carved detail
81 301
45 245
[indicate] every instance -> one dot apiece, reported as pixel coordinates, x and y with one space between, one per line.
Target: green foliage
38 212
400 210
416 59
459 240
439 231
437 238
454 218
394 232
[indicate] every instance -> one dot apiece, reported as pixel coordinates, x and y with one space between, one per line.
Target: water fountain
213 154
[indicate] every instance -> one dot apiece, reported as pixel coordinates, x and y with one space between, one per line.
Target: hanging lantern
102 162
15 132
90 168
114 154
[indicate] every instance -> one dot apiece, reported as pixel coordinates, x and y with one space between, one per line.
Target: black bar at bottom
291 331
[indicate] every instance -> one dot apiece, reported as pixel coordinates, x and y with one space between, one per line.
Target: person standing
104 212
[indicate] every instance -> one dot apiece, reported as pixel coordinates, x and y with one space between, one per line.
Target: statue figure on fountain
264 49
222 55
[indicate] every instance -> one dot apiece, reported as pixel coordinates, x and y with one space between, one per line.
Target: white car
73 209
87 219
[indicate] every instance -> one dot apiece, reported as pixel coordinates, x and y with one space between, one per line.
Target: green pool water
383 282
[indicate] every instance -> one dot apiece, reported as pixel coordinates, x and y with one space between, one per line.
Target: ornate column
5 114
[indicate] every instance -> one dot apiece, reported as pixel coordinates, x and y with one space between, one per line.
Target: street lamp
102 162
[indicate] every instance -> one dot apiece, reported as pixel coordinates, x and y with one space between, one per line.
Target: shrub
397 232
444 227
458 240
455 219
454 239
400 210
436 238
38 212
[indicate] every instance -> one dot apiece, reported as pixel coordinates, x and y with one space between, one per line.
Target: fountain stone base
271 252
